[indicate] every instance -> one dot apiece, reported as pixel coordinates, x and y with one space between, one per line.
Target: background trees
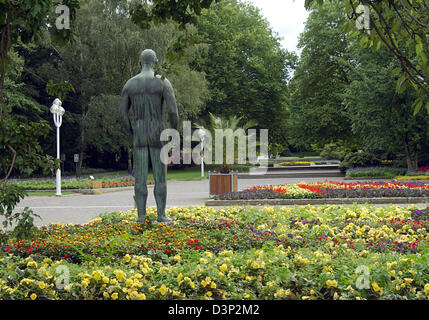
344 93
246 68
402 28
229 63
317 113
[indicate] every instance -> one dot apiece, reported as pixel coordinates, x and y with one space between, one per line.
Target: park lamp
202 135
58 111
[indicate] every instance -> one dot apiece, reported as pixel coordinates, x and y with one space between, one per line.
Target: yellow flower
426 289
177 258
42 285
209 293
129 282
312 292
84 283
336 296
376 288
120 275
213 285
33 296
114 295
106 295
331 283
223 267
106 280
175 293
203 283
163 289
97 275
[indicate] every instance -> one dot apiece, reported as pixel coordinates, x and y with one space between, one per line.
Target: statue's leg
160 190
141 163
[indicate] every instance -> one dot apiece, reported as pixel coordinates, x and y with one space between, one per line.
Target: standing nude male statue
148 95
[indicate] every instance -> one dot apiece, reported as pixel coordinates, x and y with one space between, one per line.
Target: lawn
107 180
311 252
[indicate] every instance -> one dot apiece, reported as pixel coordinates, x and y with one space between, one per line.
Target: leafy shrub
332 151
10 196
359 159
375 172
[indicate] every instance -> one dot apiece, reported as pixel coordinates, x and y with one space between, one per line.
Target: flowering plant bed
331 189
311 252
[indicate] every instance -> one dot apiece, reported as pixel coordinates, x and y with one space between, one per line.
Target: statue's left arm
124 107
170 101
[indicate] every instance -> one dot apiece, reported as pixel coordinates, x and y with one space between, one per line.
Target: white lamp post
202 134
58 111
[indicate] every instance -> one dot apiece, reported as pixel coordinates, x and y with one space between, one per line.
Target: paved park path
79 208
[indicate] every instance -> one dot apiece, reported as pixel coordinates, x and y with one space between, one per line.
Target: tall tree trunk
416 159
407 154
82 124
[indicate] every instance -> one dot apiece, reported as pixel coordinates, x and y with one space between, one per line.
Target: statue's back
145 93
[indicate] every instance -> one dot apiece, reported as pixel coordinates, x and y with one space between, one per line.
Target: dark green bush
359 159
332 151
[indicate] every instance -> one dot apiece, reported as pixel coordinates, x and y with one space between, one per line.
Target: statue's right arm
124 107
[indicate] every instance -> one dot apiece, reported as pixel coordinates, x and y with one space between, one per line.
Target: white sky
286 17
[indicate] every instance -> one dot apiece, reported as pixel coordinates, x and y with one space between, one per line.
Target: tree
401 27
245 66
106 54
317 114
381 117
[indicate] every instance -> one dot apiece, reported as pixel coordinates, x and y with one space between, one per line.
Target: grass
47 194
375 172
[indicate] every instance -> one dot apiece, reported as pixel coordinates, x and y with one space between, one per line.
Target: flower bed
311 252
297 163
330 189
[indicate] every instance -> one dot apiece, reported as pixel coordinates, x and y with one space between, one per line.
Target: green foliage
20 148
59 90
318 115
359 159
376 172
245 66
182 12
382 117
10 196
332 151
401 27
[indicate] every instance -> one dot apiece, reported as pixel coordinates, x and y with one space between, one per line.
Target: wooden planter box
223 183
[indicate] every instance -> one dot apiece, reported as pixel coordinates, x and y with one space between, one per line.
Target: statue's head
148 56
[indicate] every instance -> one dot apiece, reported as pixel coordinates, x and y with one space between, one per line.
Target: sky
286 17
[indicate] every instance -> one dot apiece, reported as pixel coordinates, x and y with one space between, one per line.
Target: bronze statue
148 95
